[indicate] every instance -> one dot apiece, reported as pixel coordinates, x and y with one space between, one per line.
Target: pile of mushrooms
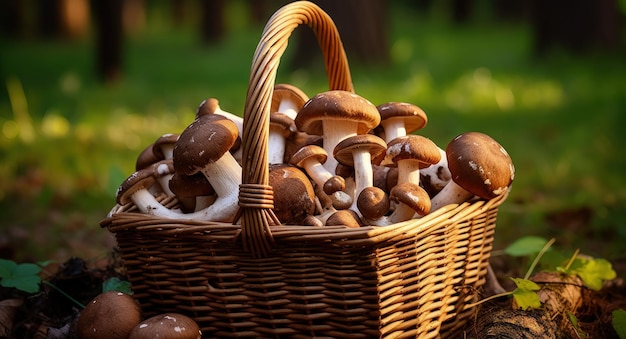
334 159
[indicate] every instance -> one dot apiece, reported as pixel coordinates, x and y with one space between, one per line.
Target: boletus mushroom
110 315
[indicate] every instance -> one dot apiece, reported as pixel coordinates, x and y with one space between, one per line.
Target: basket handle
255 194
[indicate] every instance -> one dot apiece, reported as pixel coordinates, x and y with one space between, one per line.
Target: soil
49 314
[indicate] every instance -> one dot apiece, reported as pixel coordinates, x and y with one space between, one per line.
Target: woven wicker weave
257 279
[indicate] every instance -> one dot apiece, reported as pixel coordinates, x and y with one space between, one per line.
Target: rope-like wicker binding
261 279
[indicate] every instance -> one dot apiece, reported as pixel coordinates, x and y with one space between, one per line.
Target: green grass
559 117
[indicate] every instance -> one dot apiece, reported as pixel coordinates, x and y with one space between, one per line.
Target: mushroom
212 106
410 153
348 218
294 197
204 147
280 129
436 176
135 189
163 171
287 99
479 166
360 151
410 199
400 118
110 315
373 203
164 145
194 192
336 115
167 326
146 158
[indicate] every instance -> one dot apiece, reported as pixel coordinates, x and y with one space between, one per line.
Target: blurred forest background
86 85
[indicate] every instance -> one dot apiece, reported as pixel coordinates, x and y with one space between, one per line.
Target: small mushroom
336 115
212 106
287 99
194 192
360 151
479 166
146 158
135 189
410 153
163 171
167 326
373 203
294 197
398 119
204 147
348 218
110 315
411 199
164 145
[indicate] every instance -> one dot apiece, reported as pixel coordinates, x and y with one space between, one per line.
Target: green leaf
24 277
6 268
593 272
619 323
525 295
579 331
526 246
116 284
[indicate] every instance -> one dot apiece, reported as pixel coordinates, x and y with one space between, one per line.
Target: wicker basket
256 279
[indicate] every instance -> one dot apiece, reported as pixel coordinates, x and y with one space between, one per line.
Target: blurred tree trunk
133 16
362 25
178 12
109 36
74 17
462 11
578 26
260 11
212 20
49 16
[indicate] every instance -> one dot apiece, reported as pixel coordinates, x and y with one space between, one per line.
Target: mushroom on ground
336 115
398 119
110 315
360 151
287 99
167 326
294 197
410 153
204 147
479 166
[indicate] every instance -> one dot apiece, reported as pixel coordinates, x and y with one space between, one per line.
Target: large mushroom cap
480 165
204 141
294 196
412 195
337 104
110 315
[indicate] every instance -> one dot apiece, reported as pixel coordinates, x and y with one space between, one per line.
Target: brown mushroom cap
337 104
146 158
188 187
411 115
412 195
414 147
374 145
347 217
162 143
141 179
110 315
373 202
208 106
480 165
294 196
282 123
204 141
167 326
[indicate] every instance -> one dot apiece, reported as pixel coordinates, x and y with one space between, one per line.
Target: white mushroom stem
336 130
163 175
363 174
147 204
408 171
276 146
393 127
289 108
438 174
238 121
452 193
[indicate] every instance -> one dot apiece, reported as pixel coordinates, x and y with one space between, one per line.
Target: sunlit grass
67 141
